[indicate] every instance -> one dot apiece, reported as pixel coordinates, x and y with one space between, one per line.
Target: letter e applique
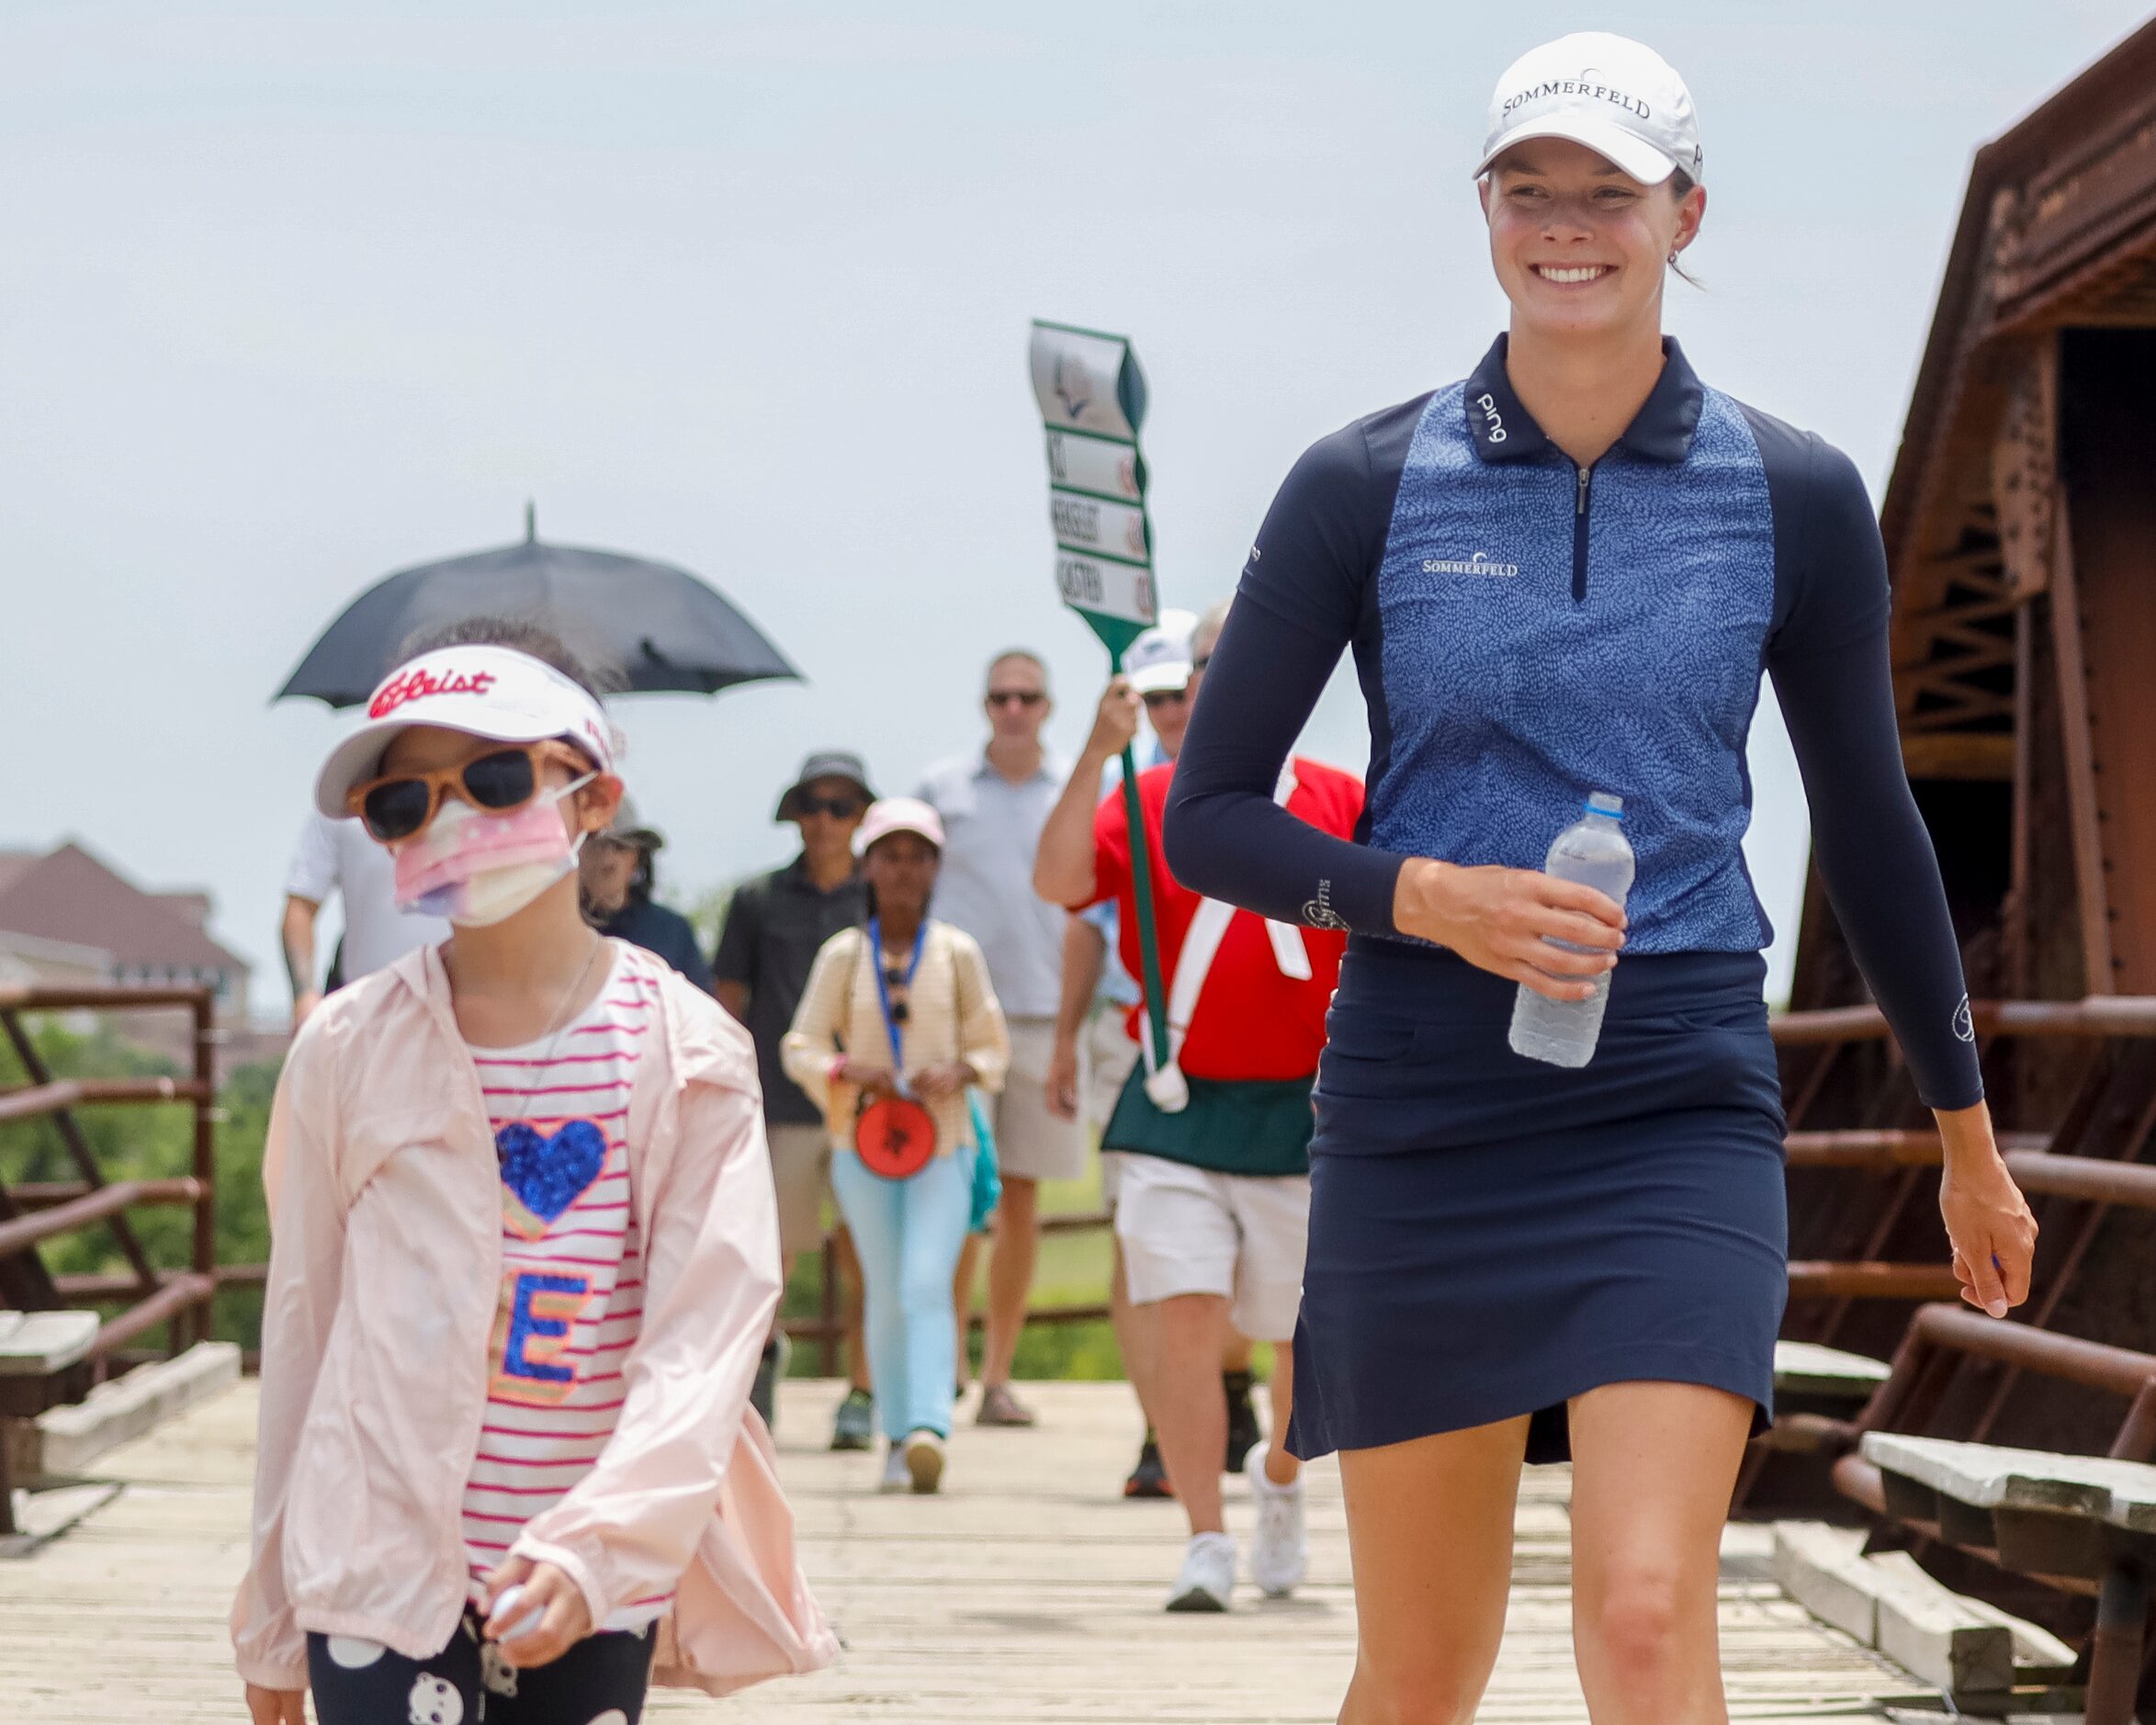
533 1325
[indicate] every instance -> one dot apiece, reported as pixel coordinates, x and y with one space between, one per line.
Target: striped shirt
572 1279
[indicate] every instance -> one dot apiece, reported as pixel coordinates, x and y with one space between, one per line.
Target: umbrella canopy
660 626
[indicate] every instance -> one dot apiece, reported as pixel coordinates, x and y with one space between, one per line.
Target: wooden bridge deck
1027 1593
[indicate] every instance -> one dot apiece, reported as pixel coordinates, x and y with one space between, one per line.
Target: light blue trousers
908 1235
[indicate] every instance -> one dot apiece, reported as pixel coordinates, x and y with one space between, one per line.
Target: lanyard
883 992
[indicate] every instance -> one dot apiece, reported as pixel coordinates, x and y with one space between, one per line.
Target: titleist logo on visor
418 684
1583 85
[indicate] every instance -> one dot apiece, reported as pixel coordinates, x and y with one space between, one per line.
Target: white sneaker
1280 1551
896 1476
1209 1574
923 1456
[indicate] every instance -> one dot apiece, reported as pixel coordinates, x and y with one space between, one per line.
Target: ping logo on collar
1493 421
1479 564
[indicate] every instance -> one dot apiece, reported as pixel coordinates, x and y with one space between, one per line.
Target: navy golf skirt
1490 1237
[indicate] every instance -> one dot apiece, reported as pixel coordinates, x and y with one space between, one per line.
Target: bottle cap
1606 803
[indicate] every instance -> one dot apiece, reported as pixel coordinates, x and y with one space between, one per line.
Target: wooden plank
70 1437
1030 1591
1808 1368
2120 1495
37 1344
1926 1627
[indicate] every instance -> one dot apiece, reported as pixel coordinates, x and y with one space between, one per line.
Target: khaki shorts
1106 1056
1190 1231
801 1170
1031 1143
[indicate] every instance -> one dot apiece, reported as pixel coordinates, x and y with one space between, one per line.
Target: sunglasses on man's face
1015 697
1158 698
840 807
499 782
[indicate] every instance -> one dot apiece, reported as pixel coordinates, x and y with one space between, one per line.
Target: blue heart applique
545 1174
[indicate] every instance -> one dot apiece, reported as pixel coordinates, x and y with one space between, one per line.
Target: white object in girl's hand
512 1597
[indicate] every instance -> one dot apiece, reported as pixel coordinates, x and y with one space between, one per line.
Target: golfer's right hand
1115 725
277 1706
1501 921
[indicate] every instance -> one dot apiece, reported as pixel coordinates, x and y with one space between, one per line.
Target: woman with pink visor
525 1254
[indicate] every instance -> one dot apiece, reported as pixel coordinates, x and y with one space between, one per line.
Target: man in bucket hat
774 925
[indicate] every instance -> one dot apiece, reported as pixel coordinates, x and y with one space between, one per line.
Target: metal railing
149 1295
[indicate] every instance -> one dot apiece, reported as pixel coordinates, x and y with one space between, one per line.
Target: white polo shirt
337 856
991 829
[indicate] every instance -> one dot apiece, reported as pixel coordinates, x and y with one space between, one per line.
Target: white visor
495 692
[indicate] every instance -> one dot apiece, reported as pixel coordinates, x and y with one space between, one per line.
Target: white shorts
1190 1231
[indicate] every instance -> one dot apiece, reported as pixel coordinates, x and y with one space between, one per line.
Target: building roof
70 896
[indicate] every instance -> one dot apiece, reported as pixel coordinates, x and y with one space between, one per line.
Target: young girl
1564 575
525 1254
896 1022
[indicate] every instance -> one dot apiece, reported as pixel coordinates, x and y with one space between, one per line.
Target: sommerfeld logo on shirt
1479 564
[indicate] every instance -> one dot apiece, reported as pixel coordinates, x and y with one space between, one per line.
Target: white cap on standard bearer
1617 97
1159 660
493 692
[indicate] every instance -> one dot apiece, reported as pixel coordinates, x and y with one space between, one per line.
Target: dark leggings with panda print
600 1681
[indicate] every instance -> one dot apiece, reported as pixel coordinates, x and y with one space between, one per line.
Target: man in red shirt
1214 1132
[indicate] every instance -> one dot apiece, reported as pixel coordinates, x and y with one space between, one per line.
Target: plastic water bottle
1592 851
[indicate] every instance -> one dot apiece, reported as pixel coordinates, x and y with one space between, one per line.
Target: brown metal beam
1812 1278
2085 817
28 1101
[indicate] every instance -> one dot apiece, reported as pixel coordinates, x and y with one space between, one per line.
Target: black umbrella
660 626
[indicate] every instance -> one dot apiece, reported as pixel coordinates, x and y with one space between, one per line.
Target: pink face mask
475 868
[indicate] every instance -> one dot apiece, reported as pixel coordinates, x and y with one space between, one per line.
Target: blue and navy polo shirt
1528 631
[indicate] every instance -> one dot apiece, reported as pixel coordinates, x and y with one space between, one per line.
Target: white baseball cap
898 813
1617 97
490 691
1159 660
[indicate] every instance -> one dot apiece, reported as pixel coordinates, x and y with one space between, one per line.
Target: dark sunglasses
1199 662
500 780
1165 697
842 807
894 985
1021 697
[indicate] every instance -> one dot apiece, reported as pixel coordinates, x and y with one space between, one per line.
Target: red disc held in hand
895 1137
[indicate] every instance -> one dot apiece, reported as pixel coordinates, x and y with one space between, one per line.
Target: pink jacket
385 1205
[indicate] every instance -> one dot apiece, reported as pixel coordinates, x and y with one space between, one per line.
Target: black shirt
775 925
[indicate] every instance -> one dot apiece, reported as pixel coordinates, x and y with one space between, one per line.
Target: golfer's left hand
1988 1221
566 1618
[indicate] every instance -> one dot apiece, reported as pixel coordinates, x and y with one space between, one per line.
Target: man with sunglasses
992 802
775 925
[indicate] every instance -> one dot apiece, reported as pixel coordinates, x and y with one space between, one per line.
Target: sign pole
1093 400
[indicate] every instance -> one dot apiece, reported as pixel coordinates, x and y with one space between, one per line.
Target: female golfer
525 1254
1561 577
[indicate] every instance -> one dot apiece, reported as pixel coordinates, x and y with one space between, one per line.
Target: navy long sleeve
1525 633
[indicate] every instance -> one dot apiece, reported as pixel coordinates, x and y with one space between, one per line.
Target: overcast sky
296 295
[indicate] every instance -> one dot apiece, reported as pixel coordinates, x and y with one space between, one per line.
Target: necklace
551 1035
